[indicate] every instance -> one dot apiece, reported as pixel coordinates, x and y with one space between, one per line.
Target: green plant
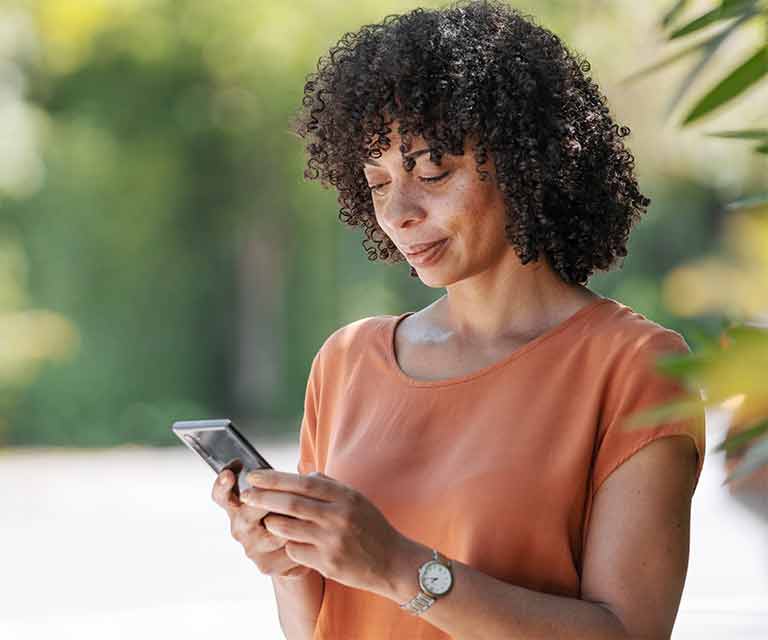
729 366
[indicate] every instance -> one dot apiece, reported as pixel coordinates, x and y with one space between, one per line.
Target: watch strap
418 604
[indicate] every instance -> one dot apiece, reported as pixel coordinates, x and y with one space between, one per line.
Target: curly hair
479 69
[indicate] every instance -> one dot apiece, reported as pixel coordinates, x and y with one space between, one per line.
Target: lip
416 249
430 255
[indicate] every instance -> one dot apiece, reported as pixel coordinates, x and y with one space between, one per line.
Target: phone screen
222 446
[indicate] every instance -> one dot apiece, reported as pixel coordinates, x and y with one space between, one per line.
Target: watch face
436 579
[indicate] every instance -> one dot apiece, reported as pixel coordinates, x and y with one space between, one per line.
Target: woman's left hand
334 529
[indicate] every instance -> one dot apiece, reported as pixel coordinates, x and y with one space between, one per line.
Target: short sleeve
308 431
637 385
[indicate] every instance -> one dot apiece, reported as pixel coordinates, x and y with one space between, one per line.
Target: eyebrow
413 154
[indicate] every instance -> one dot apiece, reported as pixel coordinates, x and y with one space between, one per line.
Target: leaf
668 412
754 334
744 134
751 202
763 148
674 11
738 81
679 55
702 338
738 440
727 10
709 49
755 457
733 365
710 41
684 365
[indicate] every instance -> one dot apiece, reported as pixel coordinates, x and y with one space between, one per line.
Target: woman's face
447 203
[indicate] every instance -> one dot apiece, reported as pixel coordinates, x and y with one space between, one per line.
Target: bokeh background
162 258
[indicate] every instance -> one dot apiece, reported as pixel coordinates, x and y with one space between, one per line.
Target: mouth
421 248
429 254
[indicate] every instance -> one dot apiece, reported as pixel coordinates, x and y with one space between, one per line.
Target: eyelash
430 179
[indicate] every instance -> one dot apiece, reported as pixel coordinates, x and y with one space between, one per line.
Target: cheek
476 210
482 228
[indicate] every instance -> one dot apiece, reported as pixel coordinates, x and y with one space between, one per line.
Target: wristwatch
435 581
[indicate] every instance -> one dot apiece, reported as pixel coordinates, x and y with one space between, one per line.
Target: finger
250 534
267 542
298 571
314 485
254 514
278 563
248 501
294 529
290 504
222 492
303 554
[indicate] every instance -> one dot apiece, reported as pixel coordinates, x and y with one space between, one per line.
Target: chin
433 284
434 278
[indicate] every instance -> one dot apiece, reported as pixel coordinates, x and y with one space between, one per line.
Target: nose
401 209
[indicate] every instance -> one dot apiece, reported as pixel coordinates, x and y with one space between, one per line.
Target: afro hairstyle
485 70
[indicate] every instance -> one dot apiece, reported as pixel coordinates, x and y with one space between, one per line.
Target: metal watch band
422 601
418 604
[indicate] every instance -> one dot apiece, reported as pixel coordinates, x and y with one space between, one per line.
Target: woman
465 469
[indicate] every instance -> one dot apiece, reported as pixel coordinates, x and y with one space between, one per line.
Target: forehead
414 143
417 147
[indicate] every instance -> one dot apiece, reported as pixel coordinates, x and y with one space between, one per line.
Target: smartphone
222 446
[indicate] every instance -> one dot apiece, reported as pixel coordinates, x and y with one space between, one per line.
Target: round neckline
391 328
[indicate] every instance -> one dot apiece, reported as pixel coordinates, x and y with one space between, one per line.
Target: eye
428 179
374 187
435 178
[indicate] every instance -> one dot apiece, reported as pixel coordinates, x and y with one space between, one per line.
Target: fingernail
223 479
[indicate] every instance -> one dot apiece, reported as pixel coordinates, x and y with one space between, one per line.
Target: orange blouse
497 468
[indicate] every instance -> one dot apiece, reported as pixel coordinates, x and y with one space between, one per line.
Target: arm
298 604
299 598
635 563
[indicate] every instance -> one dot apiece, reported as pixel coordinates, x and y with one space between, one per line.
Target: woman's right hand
265 549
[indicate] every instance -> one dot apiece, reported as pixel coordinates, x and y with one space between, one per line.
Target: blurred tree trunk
261 287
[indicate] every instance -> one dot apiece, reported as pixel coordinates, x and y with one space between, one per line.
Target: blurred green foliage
727 367
162 211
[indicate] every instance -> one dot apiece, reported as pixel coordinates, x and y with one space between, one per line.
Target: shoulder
635 381
622 350
354 334
351 341
635 390
623 336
